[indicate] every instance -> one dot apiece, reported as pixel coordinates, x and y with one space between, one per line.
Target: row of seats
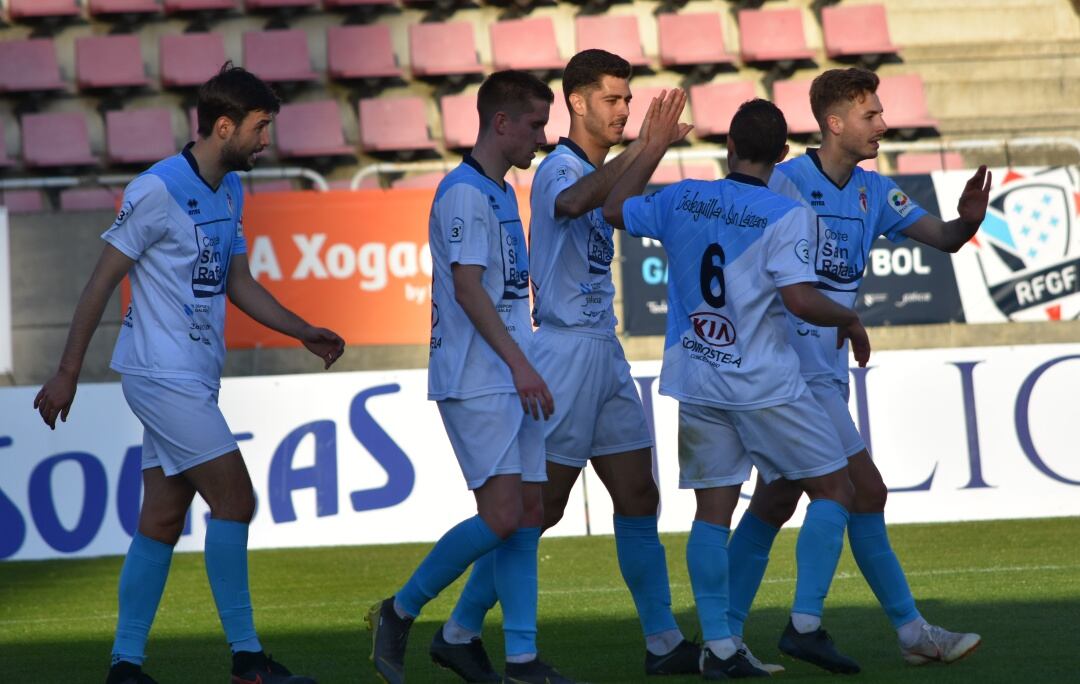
442 49
31 11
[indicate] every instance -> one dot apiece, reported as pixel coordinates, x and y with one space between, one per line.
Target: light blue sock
227 569
879 565
707 561
515 583
455 551
479 595
817 552
142 581
748 556
644 569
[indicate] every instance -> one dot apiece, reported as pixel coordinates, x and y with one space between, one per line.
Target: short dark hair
586 68
835 86
509 91
233 92
758 131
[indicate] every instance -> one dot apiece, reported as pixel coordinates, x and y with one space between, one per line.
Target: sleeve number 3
713 289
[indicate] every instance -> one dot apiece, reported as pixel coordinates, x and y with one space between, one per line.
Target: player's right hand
55 398
533 392
663 119
860 341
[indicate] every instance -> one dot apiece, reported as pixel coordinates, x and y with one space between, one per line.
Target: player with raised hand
738 255
180 237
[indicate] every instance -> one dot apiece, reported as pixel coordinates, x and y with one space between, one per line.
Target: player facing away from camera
491 399
179 236
575 348
738 254
853 208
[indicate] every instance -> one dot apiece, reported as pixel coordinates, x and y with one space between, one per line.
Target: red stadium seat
311 129
526 44
361 52
420 180
394 124
773 35
22 201
41 9
29 66
926 162
257 5
856 30
196 6
56 139
443 49
109 62
558 125
692 39
793 99
189 59
614 33
904 102
460 121
89 199
104 8
278 56
713 105
135 136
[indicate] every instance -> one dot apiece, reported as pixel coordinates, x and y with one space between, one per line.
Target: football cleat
259 668
683 659
469 661
735 667
535 671
124 672
939 644
816 648
389 636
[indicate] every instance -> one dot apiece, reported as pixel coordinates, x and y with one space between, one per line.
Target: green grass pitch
1015 582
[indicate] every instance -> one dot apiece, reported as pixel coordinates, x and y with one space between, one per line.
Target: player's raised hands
975 197
55 398
533 392
860 341
326 344
662 127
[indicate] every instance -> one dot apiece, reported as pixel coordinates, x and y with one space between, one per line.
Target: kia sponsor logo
713 329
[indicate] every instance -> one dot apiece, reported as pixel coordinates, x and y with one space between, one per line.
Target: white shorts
833 397
717 447
597 408
182 424
492 435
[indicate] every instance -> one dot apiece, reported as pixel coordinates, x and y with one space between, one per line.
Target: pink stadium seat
673 172
278 4
614 33
89 199
134 136
713 105
854 30
773 35
926 162
793 99
443 49
394 124
100 8
361 52
460 121
29 66
189 59
192 6
420 180
339 4
869 165
56 139
39 9
558 125
905 102
311 129
109 62
638 106
278 56
692 39
264 186
22 201
527 44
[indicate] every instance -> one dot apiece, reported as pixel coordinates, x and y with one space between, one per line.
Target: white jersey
730 245
571 257
475 221
182 234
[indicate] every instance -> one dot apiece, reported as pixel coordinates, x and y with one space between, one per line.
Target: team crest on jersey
900 202
864 202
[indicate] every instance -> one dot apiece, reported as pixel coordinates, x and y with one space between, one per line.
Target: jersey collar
813 154
468 159
576 149
743 178
190 158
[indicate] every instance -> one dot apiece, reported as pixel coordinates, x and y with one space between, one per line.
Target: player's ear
499 122
577 104
223 127
731 150
783 154
834 123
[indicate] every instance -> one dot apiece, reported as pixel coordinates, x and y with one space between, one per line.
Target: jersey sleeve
143 217
789 248
239 245
648 215
466 222
552 178
896 211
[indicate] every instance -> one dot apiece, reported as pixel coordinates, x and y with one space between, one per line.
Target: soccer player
180 236
489 396
575 348
853 208
738 254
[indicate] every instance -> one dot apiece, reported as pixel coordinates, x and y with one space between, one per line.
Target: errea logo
193 207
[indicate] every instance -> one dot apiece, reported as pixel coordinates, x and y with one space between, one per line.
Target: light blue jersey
571 257
475 221
848 220
182 234
730 245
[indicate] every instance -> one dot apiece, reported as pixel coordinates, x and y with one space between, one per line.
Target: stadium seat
419 180
793 99
89 199
22 201
107 8
558 125
673 172
460 121
692 40
926 162
134 136
29 66
198 6
443 49
855 31
56 139
394 124
614 33
638 106
361 52
311 129
109 62
526 44
28 10
713 105
345 4
258 5
773 35
278 56
904 102
188 59
263 187
869 164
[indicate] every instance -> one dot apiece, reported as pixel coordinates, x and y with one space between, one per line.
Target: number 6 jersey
730 245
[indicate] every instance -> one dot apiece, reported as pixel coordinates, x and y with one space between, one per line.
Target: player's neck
209 160
597 152
491 160
757 170
836 163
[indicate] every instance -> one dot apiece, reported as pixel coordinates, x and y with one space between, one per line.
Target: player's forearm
956 234
631 183
254 300
807 303
590 191
84 323
481 312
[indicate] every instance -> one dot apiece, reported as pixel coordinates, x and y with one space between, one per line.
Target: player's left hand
860 341
975 197
326 344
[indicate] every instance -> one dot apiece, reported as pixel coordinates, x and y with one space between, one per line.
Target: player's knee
165 529
552 515
774 508
238 506
503 521
639 500
871 497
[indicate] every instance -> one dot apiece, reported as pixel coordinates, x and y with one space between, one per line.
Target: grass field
1015 582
